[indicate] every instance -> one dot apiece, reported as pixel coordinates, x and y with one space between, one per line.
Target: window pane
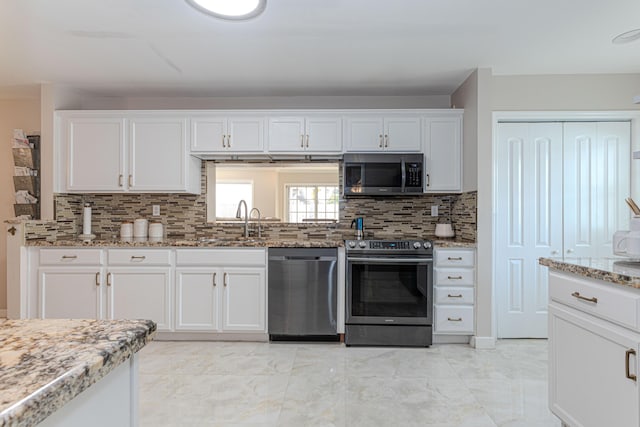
229 194
312 202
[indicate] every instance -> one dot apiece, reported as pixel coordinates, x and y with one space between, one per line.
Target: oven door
389 290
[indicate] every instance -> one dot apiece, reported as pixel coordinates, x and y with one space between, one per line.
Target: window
312 202
229 194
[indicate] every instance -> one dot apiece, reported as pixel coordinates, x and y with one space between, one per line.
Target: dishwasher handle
302 258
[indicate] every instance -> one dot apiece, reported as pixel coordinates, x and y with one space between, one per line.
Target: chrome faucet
259 220
246 216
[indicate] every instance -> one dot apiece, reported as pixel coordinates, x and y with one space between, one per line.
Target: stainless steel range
389 292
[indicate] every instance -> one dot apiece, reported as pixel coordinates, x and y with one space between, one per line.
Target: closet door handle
627 369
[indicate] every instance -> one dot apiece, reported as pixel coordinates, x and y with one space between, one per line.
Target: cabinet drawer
221 257
450 295
618 305
458 319
139 257
455 257
71 256
455 276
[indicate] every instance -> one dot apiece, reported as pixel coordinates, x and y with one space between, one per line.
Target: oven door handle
393 260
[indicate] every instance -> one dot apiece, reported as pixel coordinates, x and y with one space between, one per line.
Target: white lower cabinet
69 292
454 291
593 359
221 290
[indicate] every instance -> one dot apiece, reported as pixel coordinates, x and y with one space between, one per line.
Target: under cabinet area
454 290
594 343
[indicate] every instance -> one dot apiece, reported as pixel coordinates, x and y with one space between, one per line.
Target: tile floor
291 384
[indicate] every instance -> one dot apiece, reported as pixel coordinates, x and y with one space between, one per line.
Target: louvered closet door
596 181
528 223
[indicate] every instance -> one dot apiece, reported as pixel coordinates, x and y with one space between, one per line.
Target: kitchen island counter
614 271
45 364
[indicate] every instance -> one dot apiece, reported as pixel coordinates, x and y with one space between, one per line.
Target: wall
466 96
14 114
264 184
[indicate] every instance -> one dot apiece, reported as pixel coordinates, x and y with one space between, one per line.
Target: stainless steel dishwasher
302 293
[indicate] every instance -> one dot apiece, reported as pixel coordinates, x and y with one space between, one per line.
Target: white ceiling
307 47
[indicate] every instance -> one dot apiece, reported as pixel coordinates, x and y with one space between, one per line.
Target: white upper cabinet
114 152
309 134
379 133
443 154
221 134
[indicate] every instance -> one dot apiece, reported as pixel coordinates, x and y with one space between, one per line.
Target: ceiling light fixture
627 37
234 10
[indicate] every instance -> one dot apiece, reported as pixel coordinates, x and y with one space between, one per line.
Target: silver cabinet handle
569 251
380 144
224 279
69 257
214 279
454 296
454 258
554 252
138 258
386 141
223 137
301 141
108 279
98 278
627 370
592 299
428 180
454 277
130 180
307 141
120 180
228 141
457 319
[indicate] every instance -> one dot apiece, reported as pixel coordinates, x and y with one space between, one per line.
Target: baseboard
450 339
3 313
210 336
483 343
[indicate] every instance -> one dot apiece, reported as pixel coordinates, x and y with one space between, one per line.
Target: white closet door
596 181
529 223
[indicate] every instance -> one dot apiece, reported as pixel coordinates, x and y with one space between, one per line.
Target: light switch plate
434 210
155 210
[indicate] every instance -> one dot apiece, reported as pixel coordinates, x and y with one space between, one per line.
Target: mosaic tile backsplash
184 215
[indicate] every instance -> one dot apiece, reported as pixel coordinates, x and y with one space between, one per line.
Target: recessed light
627 37
234 10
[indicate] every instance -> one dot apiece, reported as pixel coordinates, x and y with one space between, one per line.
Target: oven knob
427 245
362 244
416 245
352 244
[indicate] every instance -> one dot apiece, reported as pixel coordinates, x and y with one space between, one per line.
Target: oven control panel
389 245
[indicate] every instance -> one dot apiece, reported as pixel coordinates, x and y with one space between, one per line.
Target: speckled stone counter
193 243
617 271
452 243
46 363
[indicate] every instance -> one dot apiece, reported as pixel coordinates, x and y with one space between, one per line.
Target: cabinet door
443 155
140 293
324 134
197 299
286 134
364 133
245 134
69 293
208 134
158 154
402 134
244 303
588 384
95 150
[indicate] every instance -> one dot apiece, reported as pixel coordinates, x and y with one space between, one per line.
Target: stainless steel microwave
380 174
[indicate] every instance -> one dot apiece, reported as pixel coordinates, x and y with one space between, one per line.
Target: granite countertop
193 243
453 243
46 363
619 271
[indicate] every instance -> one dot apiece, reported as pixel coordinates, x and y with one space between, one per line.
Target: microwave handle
404 174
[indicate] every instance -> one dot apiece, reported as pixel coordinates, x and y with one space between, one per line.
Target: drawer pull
592 299
628 354
69 257
138 258
454 258
456 319
454 277
454 296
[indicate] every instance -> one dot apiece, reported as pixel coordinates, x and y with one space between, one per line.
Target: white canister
444 230
156 230
140 228
126 230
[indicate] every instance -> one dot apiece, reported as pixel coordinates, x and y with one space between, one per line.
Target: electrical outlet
434 210
155 210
